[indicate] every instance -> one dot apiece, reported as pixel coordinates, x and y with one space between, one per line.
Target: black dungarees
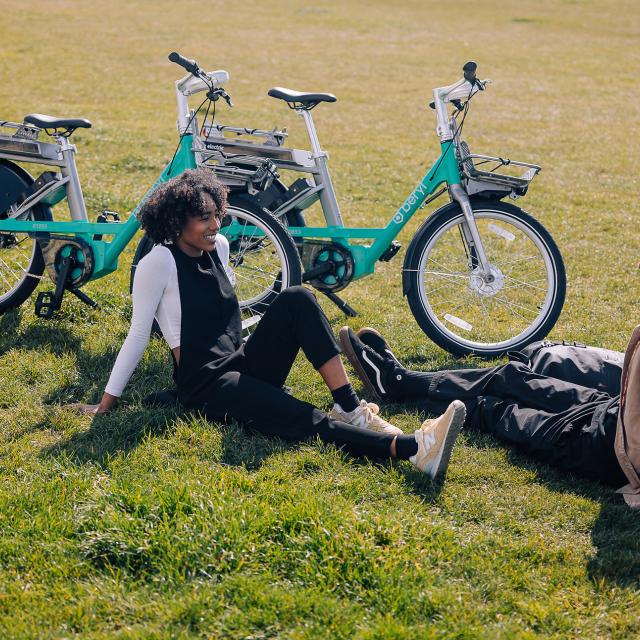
224 377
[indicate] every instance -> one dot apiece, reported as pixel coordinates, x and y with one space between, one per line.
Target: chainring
316 254
56 248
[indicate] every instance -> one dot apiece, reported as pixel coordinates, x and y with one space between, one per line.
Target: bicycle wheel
262 256
457 308
21 260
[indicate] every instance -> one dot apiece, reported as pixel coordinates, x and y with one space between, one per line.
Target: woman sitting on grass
184 283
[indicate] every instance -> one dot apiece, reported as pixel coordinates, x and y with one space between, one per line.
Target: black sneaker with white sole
374 339
372 368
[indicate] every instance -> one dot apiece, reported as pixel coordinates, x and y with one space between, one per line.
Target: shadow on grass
58 338
93 372
122 431
616 532
9 326
112 434
243 446
419 484
616 535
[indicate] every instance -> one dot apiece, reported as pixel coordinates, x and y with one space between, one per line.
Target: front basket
496 171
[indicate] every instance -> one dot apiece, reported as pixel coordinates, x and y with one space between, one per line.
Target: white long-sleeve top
155 295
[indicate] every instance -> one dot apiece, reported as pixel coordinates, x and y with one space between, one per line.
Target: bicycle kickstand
348 310
48 302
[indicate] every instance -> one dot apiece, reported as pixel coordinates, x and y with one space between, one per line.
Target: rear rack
227 148
23 145
241 170
495 176
271 137
26 131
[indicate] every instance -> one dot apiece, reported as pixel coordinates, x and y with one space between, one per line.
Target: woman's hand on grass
107 403
86 409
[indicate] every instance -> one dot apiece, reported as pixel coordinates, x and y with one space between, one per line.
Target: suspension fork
470 231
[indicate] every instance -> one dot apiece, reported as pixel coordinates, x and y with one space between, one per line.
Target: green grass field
149 524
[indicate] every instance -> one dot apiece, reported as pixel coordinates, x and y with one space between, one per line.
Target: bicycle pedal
46 304
390 251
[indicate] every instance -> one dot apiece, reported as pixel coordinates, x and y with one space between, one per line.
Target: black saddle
299 100
51 122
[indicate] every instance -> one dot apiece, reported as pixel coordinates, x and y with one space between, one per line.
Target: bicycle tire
505 230
18 282
290 273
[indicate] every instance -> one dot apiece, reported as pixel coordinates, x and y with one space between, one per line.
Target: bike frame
105 253
445 170
62 155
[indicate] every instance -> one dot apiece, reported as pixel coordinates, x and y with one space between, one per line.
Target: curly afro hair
165 212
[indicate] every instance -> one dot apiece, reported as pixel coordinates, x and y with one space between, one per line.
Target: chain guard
56 248
315 254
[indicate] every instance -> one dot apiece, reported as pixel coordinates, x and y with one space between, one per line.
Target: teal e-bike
480 275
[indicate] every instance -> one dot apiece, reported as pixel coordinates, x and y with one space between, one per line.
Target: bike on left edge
263 256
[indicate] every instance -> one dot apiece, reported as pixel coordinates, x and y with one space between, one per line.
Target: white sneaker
436 438
365 416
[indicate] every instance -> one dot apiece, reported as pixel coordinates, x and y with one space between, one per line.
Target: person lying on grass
592 431
184 283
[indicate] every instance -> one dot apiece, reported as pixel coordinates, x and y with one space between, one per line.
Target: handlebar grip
189 65
469 70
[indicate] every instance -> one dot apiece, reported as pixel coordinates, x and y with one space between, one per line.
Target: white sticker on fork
458 322
503 233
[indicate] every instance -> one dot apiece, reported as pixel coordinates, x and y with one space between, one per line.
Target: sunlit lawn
154 524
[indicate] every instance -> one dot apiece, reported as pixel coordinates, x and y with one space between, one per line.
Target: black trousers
560 422
254 396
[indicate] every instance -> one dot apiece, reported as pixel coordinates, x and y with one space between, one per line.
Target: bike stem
462 198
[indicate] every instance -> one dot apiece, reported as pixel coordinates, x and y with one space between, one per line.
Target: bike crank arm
323 269
461 197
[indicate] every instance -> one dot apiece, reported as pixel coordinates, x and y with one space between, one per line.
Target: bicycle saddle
304 100
51 122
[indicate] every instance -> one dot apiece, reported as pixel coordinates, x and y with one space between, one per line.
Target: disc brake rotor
483 286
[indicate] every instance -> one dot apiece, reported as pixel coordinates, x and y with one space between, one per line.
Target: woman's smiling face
199 233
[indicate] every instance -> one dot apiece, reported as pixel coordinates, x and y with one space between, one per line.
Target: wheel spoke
519 284
512 305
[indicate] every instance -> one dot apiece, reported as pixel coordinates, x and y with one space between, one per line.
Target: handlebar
469 70
199 80
463 89
185 63
458 94
194 82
